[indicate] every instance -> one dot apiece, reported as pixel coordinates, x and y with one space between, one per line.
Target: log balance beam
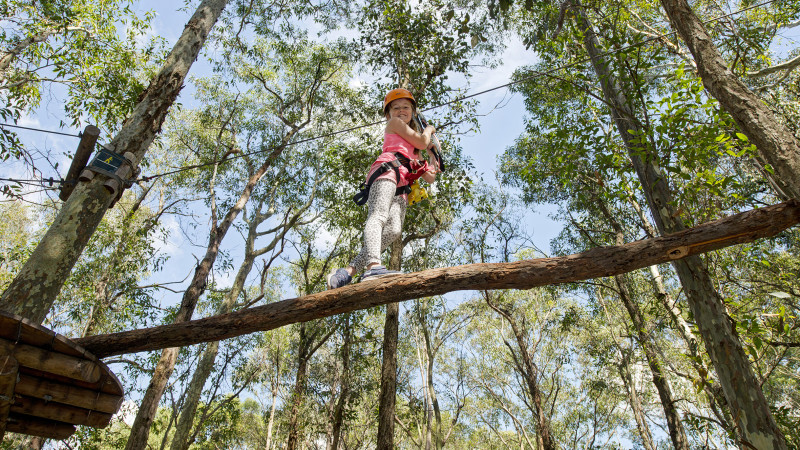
595 263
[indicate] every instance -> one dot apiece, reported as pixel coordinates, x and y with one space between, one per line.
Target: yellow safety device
418 193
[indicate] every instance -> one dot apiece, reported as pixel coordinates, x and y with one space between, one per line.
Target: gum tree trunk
388 392
32 292
341 404
635 402
529 371
299 392
676 431
742 390
775 143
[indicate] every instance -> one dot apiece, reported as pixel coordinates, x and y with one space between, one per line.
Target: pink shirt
393 143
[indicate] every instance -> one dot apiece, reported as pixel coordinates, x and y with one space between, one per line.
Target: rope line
533 75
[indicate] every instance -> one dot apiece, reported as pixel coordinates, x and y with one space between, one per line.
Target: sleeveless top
393 143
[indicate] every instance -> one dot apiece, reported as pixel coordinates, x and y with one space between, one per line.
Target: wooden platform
49 384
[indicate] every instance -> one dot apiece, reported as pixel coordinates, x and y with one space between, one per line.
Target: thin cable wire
39 130
534 75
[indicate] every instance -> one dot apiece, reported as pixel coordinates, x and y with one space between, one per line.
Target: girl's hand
430 175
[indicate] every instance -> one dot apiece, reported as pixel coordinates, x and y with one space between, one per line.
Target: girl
400 165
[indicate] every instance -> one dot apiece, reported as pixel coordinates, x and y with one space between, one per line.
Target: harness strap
363 195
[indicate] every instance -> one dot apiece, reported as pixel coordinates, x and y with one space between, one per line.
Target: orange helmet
394 94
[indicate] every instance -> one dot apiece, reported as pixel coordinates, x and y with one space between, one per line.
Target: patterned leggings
384 222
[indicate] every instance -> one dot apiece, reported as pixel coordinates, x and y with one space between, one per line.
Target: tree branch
598 262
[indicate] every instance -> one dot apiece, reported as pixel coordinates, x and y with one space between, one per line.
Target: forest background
538 168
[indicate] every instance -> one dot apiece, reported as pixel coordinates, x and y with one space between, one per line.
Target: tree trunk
183 429
740 385
388 392
299 389
32 292
275 384
635 402
434 422
341 404
530 373
525 274
676 431
776 144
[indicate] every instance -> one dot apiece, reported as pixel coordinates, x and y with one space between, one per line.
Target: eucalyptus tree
418 46
620 80
89 48
293 213
34 289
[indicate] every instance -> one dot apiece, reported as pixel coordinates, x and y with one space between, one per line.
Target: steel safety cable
534 75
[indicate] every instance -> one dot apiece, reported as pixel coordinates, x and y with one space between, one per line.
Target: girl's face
402 108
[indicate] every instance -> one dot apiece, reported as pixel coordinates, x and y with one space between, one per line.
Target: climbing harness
363 194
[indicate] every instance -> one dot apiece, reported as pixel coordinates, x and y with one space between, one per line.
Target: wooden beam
48 361
68 394
8 379
34 426
598 262
59 412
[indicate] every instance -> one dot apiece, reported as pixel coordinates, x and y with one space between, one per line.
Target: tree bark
635 402
674 425
303 354
32 292
598 262
775 143
388 392
742 390
341 404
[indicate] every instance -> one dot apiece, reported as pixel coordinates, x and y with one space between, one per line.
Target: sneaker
339 278
377 272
